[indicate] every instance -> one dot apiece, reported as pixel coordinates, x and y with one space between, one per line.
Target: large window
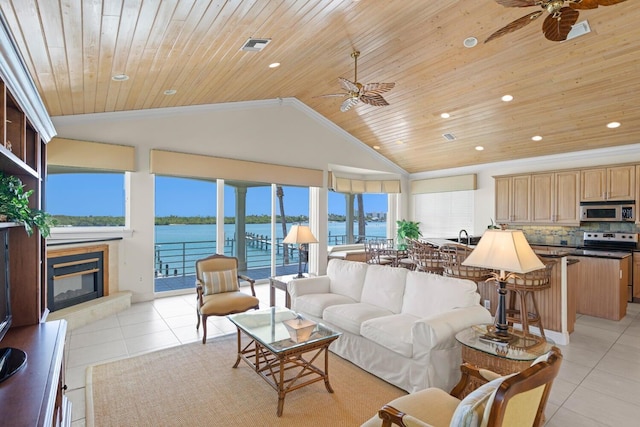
340 206
91 199
185 229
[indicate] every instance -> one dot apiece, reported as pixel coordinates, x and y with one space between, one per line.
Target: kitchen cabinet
513 199
636 277
603 286
608 184
554 198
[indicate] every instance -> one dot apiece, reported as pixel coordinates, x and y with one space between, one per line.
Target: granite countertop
548 251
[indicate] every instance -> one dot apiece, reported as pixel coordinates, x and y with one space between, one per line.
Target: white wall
484 208
283 132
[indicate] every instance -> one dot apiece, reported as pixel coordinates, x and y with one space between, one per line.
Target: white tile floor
598 384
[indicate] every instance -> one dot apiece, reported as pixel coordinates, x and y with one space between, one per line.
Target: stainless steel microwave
608 211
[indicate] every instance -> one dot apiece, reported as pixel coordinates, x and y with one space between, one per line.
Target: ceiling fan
369 93
557 24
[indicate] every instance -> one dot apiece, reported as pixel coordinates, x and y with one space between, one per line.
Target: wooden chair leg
537 314
204 329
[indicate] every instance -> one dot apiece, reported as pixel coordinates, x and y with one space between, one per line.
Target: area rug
195 385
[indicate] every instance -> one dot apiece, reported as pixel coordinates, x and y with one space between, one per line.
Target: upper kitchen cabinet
513 199
608 184
554 198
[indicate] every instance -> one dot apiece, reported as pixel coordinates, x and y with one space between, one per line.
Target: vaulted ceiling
565 92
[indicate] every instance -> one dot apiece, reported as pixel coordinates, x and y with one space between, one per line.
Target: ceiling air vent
255 45
449 136
579 29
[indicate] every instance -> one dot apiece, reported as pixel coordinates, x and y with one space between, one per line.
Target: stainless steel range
608 241
610 245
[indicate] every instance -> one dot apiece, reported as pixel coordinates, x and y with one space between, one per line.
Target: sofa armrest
308 285
439 331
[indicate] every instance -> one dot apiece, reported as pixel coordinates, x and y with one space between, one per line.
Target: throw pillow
216 282
471 409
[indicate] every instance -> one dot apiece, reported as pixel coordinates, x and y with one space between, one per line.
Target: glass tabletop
523 346
267 327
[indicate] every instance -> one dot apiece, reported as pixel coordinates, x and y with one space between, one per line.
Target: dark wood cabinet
34 396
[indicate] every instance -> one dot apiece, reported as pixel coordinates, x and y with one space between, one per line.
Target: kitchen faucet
466 234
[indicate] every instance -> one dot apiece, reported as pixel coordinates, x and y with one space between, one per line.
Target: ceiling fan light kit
356 92
561 16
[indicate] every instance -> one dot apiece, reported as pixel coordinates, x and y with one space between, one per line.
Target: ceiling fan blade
348 103
377 88
517 3
557 28
515 25
348 85
374 99
332 95
592 4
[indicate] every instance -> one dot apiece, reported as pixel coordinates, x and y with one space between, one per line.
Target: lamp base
300 276
496 336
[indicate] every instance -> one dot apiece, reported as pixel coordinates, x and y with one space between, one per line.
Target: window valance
208 167
360 186
71 153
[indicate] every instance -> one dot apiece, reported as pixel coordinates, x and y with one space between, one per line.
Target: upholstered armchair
218 289
513 400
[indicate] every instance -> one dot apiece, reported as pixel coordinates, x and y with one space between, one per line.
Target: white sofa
400 325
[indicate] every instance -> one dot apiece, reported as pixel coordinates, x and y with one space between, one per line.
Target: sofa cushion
314 304
428 294
349 317
384 287
347 277
392 332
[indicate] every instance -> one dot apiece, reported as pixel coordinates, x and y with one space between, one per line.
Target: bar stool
519 287
452 257
427 258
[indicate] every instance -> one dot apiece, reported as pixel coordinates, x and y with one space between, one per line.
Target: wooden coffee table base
286 371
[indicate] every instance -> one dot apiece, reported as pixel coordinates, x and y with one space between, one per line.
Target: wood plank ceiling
565 92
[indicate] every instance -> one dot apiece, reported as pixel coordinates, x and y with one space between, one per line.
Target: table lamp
508 252
300 235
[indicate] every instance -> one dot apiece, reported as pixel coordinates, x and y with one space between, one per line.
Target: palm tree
283 220
361 220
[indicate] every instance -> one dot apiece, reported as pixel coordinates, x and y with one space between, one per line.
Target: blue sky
98 195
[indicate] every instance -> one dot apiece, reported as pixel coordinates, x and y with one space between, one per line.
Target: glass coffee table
276 357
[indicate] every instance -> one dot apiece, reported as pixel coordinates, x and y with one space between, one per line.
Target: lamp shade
504 250
300 234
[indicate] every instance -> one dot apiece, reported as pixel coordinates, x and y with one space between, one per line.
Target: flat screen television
11 359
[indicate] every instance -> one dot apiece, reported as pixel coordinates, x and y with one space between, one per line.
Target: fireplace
75 276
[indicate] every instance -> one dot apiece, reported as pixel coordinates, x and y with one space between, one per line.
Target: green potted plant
407 230
14 206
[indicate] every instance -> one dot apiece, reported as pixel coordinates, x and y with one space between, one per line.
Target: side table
280 282
502 359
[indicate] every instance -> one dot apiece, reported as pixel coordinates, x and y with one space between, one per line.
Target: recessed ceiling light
445 115
507 98
479 147
274 65
470 42
120 77
537 138
613 125
376 147
399 142
170 92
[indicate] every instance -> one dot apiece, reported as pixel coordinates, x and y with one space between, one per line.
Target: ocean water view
179 246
